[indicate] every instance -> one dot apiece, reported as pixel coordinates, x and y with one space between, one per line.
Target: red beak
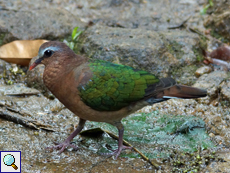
33 66
37 62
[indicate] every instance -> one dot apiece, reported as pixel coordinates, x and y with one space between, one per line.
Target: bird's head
50 52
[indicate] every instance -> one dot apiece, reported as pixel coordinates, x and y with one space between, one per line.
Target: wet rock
51 23
225 90
211 82
156 52
146 14
17 90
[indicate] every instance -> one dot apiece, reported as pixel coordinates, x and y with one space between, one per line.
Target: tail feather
182 91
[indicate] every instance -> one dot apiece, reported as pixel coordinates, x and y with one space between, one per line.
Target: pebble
203 70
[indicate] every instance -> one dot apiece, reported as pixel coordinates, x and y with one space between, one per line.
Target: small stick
135 149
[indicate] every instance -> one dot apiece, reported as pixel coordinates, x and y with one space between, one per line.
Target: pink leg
66 143
121 147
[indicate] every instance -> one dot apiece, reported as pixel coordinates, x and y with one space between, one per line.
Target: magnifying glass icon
9 160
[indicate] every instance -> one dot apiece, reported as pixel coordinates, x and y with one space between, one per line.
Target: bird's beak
38 61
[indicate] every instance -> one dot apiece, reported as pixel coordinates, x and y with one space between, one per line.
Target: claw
118 151
62 146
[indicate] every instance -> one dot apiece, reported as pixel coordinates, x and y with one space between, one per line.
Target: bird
102 91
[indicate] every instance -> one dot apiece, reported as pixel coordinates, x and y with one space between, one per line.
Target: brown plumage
94 91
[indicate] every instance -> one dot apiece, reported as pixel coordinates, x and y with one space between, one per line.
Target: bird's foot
117 152
61 146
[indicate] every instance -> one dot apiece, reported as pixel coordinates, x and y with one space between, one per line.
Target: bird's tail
185 92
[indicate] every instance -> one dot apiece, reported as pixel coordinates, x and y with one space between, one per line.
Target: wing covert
113 86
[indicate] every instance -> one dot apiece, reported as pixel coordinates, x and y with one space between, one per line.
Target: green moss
175 49
199 50
174 139
185 75
2 35
13 75
179 74
198 54
218 36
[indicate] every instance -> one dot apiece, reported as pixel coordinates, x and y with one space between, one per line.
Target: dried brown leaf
222 53
21 51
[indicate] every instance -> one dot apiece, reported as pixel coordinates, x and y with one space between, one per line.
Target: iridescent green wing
115 86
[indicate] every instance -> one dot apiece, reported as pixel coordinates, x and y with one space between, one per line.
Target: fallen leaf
219 56
21 51
222 52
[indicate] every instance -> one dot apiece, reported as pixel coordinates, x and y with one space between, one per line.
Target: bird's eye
48 53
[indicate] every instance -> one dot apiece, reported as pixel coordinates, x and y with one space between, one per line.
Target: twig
12 115
180 25
135 149
198 32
